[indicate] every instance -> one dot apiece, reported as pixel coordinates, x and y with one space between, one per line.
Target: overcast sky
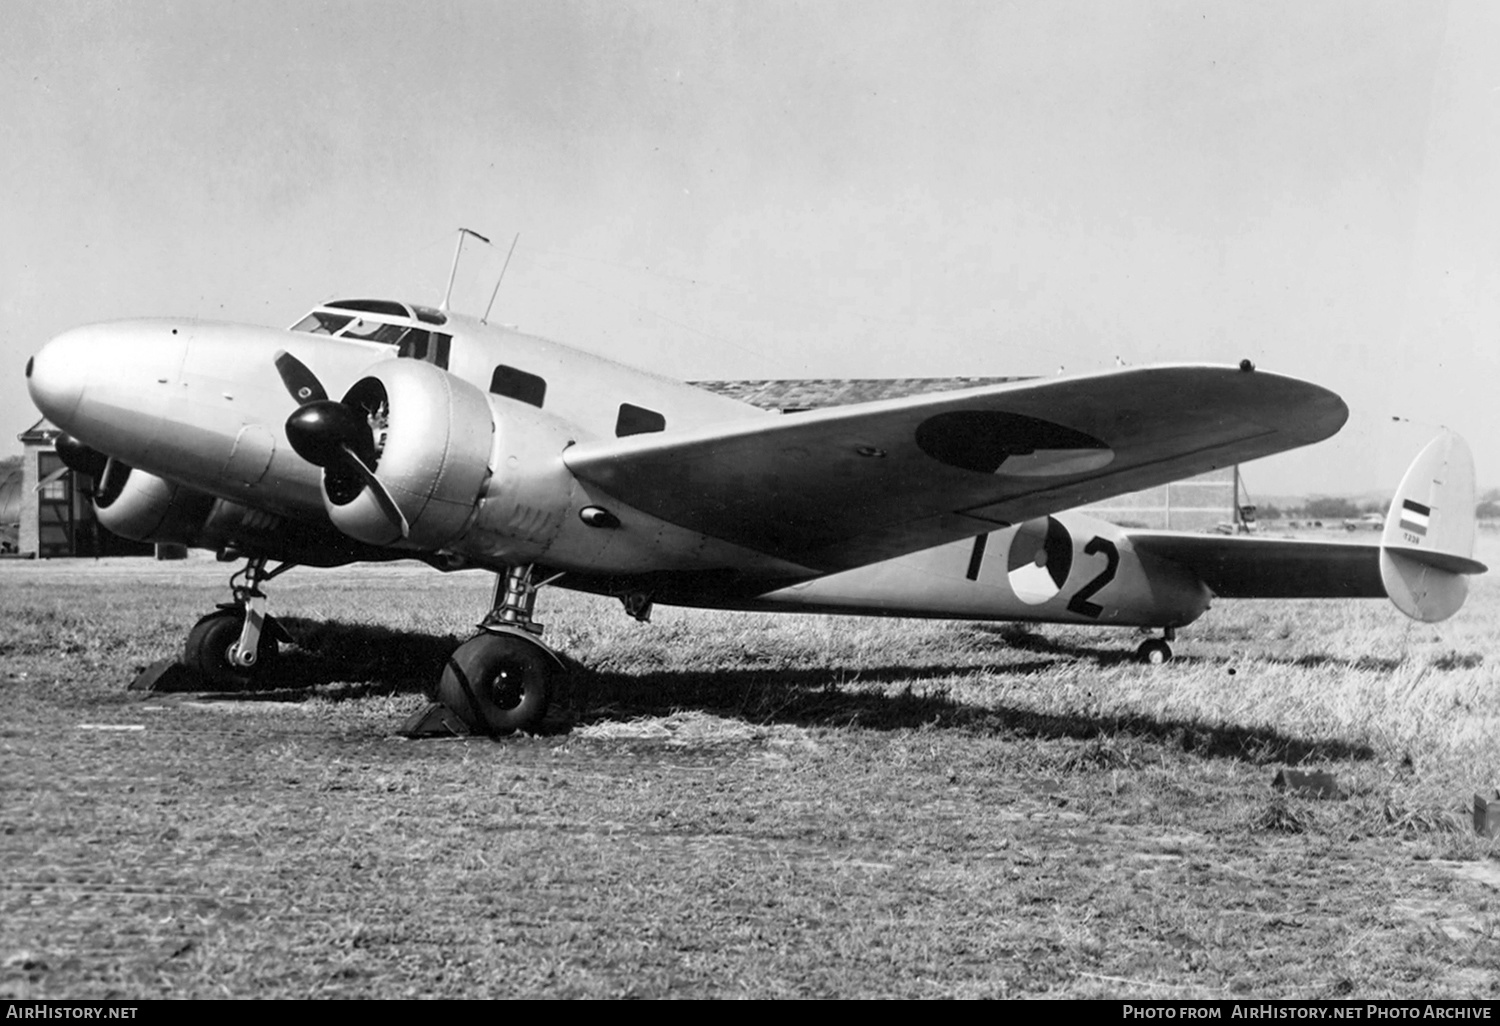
794 189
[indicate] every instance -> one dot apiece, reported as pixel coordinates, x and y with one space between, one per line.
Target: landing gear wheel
207 651
1154 652
498 683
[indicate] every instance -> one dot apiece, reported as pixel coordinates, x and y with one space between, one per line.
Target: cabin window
636 420
517 384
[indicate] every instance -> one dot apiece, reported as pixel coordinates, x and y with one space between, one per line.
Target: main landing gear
232 648
1155 651
503 679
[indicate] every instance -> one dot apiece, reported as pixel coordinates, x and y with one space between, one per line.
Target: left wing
1421 562
838 488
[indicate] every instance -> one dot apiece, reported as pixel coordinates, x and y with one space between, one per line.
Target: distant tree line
1324 507
1489 505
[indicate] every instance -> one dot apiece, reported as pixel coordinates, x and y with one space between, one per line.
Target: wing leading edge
843 487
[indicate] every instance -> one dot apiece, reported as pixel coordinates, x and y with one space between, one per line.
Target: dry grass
750 806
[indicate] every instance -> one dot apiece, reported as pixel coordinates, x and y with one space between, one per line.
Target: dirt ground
750 806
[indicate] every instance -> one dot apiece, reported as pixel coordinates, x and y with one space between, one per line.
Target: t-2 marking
976 559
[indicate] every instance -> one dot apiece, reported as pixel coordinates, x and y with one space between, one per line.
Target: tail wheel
1154 652
208 645
498 683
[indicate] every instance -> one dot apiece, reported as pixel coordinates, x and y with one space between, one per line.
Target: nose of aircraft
103 377
56 376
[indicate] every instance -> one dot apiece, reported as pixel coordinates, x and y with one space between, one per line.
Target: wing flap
838 488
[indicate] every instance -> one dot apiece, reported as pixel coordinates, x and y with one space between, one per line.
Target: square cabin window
636 420
517 384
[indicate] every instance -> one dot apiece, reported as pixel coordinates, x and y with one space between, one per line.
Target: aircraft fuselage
471 428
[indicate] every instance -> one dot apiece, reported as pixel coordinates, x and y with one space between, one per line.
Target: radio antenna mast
453 273
486 318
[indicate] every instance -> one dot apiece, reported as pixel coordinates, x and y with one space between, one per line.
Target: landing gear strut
231 648
1155 651
503 679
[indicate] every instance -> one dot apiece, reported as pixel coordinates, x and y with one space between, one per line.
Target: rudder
1427 548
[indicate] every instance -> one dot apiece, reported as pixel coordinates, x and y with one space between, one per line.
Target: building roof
43 432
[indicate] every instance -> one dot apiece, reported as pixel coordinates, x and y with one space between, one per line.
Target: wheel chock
436 720
1317 784
166 675
1486 816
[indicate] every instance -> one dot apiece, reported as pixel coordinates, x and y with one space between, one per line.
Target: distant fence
1197 504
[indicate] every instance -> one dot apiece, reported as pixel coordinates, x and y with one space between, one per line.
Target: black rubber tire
206 652
498 684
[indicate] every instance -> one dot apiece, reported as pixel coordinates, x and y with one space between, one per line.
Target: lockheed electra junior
465 444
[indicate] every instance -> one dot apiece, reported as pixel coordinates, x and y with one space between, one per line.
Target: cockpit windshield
322 322
385 323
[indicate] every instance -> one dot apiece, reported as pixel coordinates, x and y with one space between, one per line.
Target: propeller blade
382 497
56 475
299 379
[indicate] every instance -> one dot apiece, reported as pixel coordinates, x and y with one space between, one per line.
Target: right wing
838 488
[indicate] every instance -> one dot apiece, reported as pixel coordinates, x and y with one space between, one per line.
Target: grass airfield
749 805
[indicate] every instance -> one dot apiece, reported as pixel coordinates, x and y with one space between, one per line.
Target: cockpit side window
374 331
414 345
420 345
320 322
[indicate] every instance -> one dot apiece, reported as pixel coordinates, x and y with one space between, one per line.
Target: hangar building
54 509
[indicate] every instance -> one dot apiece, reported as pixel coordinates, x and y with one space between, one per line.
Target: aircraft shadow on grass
348 661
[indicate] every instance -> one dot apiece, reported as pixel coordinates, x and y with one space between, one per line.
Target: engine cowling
433 439
144 507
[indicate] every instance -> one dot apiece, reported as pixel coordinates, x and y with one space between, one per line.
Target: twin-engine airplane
464 444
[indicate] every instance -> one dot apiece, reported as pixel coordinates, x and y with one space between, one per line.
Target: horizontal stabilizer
1428 544
1278 568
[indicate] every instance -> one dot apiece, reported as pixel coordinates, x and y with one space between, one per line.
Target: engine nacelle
532 498
143 507
434 435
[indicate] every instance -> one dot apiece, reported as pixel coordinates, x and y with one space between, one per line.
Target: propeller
77 456
333 435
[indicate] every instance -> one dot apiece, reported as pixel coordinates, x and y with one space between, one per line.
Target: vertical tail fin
1428 544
